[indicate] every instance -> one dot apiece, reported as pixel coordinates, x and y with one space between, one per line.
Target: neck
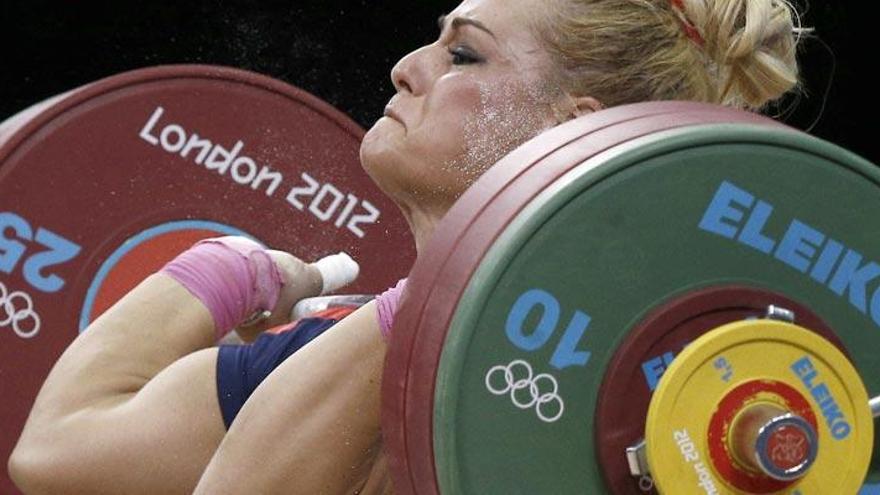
423 225
422 222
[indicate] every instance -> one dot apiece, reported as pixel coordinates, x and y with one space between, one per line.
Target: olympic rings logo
518 377
16 316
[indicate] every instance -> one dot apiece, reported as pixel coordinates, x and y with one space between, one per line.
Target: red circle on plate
719 428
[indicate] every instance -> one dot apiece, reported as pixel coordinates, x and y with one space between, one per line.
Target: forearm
313 426
151 327
131 407
93 417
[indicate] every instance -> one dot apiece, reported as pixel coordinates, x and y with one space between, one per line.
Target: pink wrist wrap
233 277
387 304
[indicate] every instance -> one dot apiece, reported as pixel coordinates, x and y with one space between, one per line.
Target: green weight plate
443 269
657 216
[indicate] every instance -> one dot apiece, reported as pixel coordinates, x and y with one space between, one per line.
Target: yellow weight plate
794 369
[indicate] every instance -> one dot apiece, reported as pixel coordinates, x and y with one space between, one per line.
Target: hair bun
737 53
753 46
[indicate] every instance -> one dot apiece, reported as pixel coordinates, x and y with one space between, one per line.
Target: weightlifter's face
462 103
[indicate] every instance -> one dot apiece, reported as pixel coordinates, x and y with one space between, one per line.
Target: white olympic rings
11 314
530 381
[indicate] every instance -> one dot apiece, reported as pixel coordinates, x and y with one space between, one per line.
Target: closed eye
464 56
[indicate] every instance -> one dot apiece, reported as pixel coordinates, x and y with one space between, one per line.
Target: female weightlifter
143 402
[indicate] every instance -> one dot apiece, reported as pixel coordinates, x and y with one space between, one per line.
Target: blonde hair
627 51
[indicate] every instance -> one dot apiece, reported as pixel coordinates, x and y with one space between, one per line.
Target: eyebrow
458 22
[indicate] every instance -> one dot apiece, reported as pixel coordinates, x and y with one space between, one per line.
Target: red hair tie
689 28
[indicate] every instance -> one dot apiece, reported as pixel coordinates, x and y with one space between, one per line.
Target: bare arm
120 405
131 406
312 427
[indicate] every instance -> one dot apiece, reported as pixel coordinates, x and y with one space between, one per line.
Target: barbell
664 297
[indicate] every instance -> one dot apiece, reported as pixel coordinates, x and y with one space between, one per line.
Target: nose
411 72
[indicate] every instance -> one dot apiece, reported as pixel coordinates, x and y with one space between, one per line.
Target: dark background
343 50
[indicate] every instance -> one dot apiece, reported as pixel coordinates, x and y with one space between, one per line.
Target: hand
300 280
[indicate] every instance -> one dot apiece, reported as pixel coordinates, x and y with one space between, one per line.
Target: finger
337 271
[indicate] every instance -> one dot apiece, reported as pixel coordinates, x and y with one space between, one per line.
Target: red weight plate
462 240
103 185
650 347
11 125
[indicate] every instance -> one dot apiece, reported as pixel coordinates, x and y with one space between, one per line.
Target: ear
585 104
575 106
